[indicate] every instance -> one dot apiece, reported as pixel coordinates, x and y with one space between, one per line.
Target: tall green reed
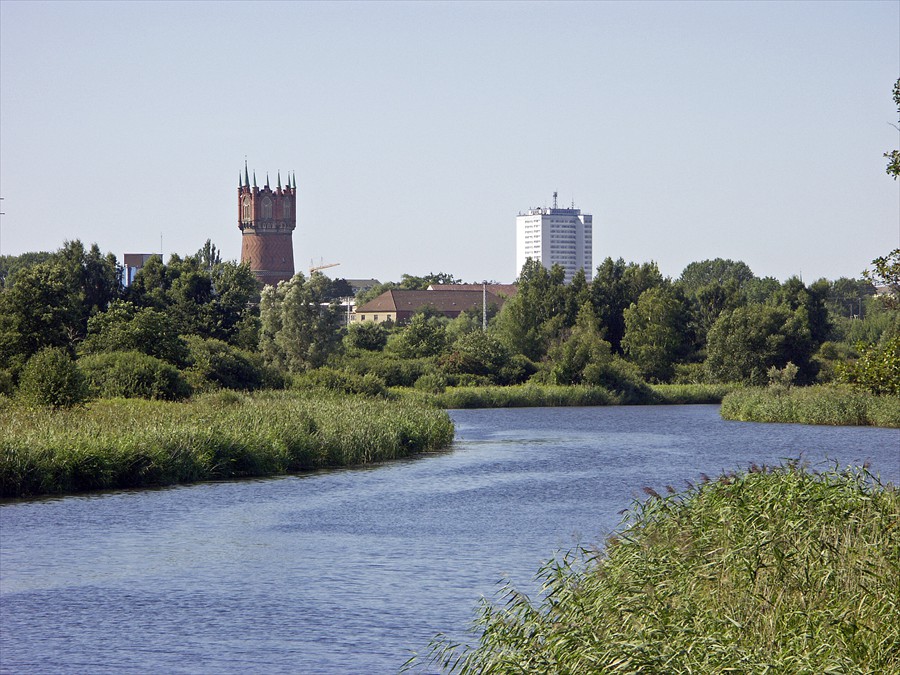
132 443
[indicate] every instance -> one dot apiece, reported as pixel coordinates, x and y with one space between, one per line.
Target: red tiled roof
442 301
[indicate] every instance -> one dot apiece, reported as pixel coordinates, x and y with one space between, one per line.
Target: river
350 571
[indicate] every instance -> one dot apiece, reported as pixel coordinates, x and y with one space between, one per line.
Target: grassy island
123 443
774 570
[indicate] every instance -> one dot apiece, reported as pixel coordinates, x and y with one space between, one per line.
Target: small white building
556 236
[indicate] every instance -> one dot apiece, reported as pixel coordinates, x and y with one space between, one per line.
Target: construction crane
318 268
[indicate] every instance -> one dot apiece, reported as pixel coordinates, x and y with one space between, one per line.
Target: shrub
133 375
216 364
620 377
433 383
51 378
877 369
394 371
339 381
368 336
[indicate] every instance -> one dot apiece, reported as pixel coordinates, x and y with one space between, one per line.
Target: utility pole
484 305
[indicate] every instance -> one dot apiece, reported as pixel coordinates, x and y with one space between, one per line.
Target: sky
419 130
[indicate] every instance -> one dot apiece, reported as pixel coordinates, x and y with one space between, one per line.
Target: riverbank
535 395
137 443
822 404
782 570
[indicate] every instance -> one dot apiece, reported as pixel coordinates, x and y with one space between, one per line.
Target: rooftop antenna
554 200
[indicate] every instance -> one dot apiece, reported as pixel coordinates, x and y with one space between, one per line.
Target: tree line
196 322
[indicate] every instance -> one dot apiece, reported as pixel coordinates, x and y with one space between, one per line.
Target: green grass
132 443
823 404
770 571
546 395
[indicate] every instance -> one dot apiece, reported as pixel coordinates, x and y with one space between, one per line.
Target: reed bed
134 443
680 394
822 404
537 395
523 396
770 571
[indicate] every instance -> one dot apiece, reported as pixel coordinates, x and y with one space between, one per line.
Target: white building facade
555 236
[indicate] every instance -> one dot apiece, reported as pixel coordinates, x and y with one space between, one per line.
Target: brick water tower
266 218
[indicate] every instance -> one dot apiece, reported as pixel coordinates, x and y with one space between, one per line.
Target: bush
432 383
345 383
133 375
51 378
877 369
620 377
367 336
215 364
394 371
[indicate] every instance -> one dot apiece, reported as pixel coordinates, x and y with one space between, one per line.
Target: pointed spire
246 175
267 179
254 179
294 181
279 180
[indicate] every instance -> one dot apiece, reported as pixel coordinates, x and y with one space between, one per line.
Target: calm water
349 571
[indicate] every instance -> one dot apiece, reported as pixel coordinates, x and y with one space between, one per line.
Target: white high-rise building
555 236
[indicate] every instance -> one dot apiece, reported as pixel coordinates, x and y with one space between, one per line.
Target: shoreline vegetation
819 405
771 570
549 395
129 443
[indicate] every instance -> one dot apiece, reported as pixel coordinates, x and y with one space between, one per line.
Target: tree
367 335
422 336
51 378
200 294
877 369
745 342
571 357
617 285
477 353
710 287
413 283
125 327
655 333
298 329
845 297
48 304
887 273
536 314
893 157
718 272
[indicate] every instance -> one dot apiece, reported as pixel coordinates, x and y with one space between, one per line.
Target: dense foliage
773 570
629 326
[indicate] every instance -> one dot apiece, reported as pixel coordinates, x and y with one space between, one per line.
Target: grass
123 443
535 395
823 404
769 571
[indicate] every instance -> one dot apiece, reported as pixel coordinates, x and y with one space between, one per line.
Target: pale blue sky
417 131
